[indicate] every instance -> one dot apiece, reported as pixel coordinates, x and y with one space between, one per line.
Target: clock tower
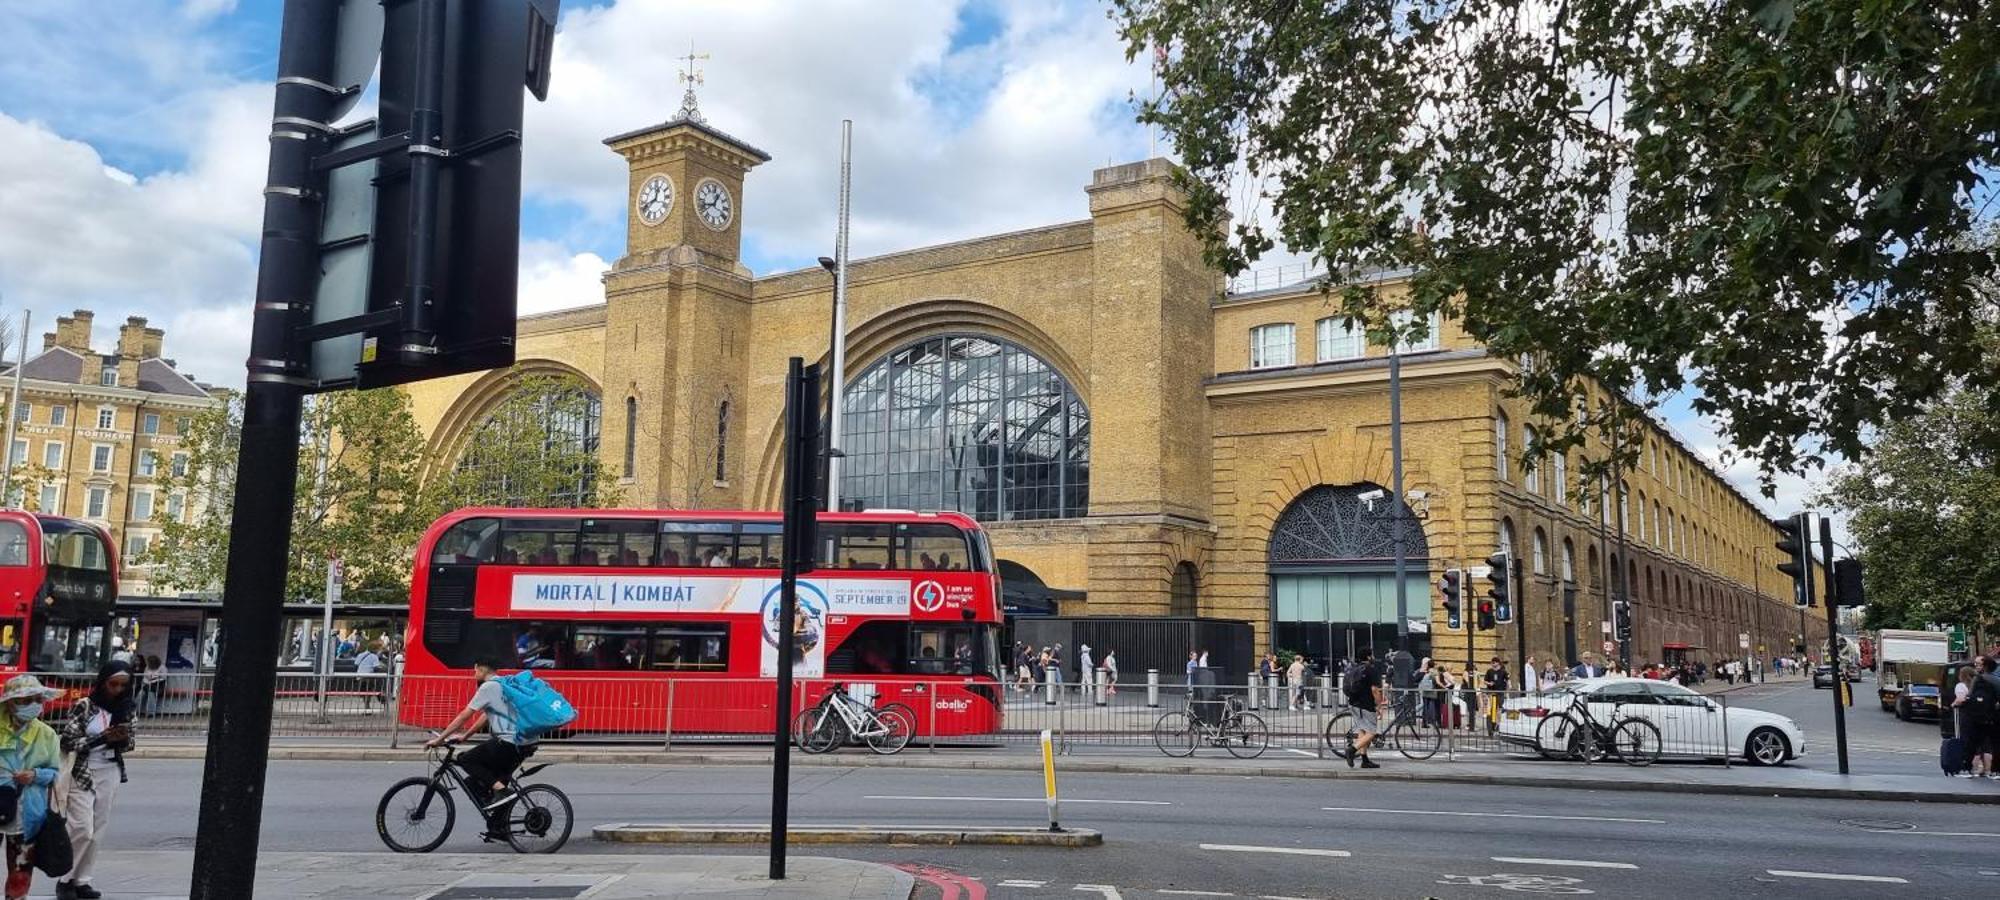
685 187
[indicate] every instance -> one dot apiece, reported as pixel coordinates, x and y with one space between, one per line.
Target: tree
536 448
1925 512
359 497
1767 201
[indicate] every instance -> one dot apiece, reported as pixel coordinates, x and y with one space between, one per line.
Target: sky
132 146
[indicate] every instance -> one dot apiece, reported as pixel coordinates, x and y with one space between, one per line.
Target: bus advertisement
669 621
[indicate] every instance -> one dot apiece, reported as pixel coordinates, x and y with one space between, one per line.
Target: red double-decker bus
58 585
634 613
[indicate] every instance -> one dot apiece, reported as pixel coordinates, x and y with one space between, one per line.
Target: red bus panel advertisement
632 614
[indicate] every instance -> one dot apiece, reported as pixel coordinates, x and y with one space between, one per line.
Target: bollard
1049 778
1153 688
1325 691
1103 686
1054 685
1252 691
1276 698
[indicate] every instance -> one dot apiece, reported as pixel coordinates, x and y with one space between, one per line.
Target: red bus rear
634 613
58 584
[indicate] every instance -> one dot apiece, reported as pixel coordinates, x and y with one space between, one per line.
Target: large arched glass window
537 448
968 423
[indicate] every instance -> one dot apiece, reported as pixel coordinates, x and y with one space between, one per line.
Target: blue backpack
538 708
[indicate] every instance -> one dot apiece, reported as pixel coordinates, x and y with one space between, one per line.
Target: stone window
1339 339
52 453
1531 474
1435 324
94 503
1181 594
631 433
149 424
1500 428
969 423
722 442
58 415
1541 552
107 417
51 495
1569 561
1271 345
1559 476
108 377
100 457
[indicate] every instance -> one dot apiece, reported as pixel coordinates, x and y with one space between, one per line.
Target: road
1181 836
1877 742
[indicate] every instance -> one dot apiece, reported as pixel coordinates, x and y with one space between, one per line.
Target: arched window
1500 428
1656 523
536 448
1560 475
631 433
1569 561
1507 537
722 441
969 423
1531 474
1541 552
1181 594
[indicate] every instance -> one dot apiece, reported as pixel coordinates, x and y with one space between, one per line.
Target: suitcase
1951 756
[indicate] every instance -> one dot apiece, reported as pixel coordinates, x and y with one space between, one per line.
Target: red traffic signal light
1486 615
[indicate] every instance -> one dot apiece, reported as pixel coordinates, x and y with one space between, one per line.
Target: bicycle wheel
1416 739
1246 736
825 730
1636 741
1340 733
413 817
1175 734
539 820
892 729
1555 738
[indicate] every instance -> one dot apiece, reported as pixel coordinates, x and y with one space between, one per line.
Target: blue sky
132 143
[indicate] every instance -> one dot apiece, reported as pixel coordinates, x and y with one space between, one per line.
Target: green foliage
533 449
1766 201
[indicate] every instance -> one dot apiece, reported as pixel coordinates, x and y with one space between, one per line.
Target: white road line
1574 863
1301 752
1289 851
1016 882
1193 893
1984 834
1109 892
1281 897
1832 876
1065 800
1487 815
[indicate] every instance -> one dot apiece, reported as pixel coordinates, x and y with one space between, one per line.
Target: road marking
1016 882
1833 876
1487 815
1984 834
1281 897
1575 863
1193 893
1301 752
1109 892
1065 800
1290 851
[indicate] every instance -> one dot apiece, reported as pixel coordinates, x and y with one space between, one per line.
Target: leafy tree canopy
1767 202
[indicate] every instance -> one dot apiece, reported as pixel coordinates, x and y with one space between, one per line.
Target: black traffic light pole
1833 602
801 509
239 735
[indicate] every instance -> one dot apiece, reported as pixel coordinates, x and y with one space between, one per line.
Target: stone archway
1331 560
455 427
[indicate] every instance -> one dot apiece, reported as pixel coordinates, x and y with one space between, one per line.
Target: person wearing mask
32 754
99 732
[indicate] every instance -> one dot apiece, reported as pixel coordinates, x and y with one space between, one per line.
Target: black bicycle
1576 734
1408 732
416 815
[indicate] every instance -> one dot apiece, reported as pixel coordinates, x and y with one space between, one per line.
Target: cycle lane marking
1836 876
1011 800
1287 851
1490 815
1573 863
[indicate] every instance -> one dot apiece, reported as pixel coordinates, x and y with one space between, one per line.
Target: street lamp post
1396 510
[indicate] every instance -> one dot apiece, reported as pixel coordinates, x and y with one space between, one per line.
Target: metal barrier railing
1470 723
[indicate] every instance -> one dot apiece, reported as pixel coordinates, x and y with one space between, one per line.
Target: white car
1690 724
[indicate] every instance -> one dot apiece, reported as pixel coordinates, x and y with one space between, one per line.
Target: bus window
859 545
78 549
66 648
875 648
932 547
690 648
10 642
616 542
470 541
949 649
759 545
607 647
695 543
13 544
538 542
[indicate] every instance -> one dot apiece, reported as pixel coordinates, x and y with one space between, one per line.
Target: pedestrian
1024 670
99 732
1194 662
1495 684
1110 673
1984 721
366 663
32 754
1295 678
1086 676
1204 659
1529 680
1055 668
1364 694
152 685
1965 725
1588 668
1454 697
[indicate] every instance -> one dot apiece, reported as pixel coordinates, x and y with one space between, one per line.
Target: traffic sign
1611 646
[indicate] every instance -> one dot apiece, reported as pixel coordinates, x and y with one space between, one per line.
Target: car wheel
1902 711
1767 747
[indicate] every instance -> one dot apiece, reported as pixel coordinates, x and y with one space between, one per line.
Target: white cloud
552 278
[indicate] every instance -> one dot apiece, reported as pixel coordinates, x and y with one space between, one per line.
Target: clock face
711 202
656 197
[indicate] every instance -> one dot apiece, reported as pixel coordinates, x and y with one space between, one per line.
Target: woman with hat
31 753
99 732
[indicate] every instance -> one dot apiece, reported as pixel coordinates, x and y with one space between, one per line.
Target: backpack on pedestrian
1351 683
537 706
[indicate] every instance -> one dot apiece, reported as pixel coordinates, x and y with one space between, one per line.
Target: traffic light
1449 586
1621 621
1486 615
1502 564
1847 582
1792 547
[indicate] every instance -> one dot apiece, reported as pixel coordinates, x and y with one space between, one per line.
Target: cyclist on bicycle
1364 693
488 765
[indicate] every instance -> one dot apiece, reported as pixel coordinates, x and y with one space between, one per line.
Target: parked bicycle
1212 723
1407 733
1575 733
839 718
416 815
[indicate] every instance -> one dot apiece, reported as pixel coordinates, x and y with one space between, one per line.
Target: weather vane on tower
691 76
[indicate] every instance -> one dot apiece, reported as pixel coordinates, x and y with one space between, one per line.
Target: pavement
476 876
1164 838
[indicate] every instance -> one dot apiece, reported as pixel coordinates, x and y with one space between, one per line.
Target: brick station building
1139 439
